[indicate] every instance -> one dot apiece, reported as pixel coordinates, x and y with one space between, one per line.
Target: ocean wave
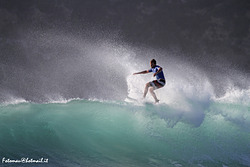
119 133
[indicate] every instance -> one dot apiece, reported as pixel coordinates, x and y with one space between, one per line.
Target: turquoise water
104 133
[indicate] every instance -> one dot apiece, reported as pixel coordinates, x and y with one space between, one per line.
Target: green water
94 133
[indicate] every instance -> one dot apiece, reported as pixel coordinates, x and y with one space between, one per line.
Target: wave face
109 133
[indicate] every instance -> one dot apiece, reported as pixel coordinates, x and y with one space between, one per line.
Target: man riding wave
155 84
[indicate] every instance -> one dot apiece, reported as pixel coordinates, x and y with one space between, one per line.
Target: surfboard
130 98
141 101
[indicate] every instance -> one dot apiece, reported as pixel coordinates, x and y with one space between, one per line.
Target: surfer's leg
146 89
151 89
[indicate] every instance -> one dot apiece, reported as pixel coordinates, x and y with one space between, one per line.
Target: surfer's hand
154 74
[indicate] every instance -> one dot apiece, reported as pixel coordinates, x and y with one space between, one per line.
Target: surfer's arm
160 69
142 72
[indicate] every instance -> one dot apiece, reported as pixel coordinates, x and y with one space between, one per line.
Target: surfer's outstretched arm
142 72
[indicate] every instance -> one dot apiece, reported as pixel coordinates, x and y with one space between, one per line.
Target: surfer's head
153 63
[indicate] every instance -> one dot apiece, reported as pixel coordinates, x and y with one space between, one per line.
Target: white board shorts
156 84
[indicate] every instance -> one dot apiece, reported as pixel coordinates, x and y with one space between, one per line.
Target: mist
87 49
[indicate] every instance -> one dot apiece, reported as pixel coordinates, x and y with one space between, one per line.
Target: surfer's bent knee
148 84
151 89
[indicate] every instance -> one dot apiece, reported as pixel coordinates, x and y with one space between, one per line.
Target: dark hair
153 61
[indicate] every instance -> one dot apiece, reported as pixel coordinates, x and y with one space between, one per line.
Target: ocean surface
97 133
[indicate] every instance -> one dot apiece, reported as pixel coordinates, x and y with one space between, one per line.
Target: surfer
155 84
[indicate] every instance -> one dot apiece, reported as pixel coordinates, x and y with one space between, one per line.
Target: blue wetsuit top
159 75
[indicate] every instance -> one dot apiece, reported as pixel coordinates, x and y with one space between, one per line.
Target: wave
118 133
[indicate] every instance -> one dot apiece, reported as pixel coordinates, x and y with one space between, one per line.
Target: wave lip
13 101
236 96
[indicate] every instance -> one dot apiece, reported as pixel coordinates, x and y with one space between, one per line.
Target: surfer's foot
142 99
157 101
